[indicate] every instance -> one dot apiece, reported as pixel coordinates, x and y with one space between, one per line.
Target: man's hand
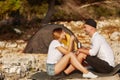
83 50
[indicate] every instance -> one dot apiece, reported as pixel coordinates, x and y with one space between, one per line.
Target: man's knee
89 58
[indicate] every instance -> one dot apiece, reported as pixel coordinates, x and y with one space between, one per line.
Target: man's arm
84 50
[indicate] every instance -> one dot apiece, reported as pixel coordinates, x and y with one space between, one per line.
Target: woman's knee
71 54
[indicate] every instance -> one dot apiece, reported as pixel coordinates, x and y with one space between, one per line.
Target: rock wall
16 65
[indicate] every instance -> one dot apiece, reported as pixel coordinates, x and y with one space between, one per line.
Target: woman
60 56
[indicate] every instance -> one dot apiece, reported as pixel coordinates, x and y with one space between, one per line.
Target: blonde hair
56 33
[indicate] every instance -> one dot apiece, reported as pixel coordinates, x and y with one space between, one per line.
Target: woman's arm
62 49
66 50
71 43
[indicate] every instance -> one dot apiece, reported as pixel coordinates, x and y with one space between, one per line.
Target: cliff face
16 65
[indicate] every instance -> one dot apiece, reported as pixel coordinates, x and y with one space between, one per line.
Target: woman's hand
72 38
77 52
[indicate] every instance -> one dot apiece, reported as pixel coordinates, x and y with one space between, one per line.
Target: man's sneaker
90 75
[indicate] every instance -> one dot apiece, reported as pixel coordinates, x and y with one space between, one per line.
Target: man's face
87 28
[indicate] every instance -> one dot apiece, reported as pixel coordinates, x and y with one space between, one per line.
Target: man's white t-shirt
54 55
102 49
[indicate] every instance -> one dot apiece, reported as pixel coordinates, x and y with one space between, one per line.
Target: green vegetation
102 11
8 7
26 15
30 9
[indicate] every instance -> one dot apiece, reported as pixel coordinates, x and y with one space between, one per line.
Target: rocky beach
16 65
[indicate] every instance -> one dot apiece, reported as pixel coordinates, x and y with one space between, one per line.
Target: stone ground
16 65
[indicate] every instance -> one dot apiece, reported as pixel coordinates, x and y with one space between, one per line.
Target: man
100 55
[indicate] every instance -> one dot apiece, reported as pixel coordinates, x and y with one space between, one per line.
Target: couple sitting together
61 58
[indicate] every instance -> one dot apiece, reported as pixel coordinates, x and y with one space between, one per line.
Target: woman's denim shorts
50 69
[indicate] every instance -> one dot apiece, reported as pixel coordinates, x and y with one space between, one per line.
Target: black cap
91 22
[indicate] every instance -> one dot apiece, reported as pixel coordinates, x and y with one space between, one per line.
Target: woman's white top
54 55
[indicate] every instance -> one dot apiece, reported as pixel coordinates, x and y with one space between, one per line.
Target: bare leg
71 68
69 58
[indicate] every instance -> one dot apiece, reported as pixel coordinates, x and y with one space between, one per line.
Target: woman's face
62 36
